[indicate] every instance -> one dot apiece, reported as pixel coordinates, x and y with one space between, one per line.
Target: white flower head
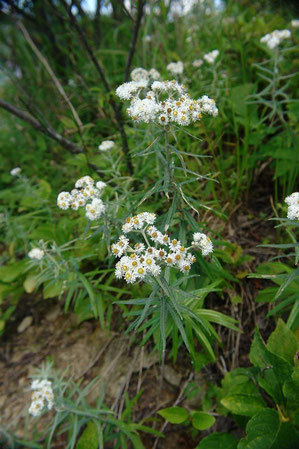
106 145
197 63
211 57
293 206
15 171
154 74
176 68
272 40
42 397
139 74
295 23
85 194
36 253
203 242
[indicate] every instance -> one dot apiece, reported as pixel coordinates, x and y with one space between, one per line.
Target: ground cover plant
149 289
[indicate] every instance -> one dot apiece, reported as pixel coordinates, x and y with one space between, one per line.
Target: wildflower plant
274 97
149 256
286 277
168 106
73 415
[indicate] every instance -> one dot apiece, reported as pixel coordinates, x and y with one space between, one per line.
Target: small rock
26 322
172 376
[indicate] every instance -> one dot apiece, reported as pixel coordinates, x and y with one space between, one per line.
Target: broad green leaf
10 272
291 390
243 404
239 394
174 415
261 431
282 342
52 289
275 370
202 421
218 441
265 431
89 438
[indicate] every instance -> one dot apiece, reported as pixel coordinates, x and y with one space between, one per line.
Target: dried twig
116 108
51 73
133 43
47 130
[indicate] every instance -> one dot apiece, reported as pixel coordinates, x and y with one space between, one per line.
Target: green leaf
89 438
52 289
30 282
240 394
265 431
202 421
275 370
282 342
243 404
10 272
174 415
291 390
261 431
218 441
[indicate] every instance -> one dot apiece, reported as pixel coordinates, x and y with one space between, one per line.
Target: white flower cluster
197 63
293 206
140 74
176 68
295 23
15 171
211 57
273 39
36 253
203 242
106 145
85 194
42 396
166 101
141 259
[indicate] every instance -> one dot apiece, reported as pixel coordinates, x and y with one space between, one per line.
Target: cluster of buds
86 194
42 397
272 40
293 206
141 259
165 102
36 253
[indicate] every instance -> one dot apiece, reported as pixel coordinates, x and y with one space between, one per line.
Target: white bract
85 194
36 253
295 23
106 145
272 40
42 397
141 259
15 171
166 102
211 57
176 68
293 206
